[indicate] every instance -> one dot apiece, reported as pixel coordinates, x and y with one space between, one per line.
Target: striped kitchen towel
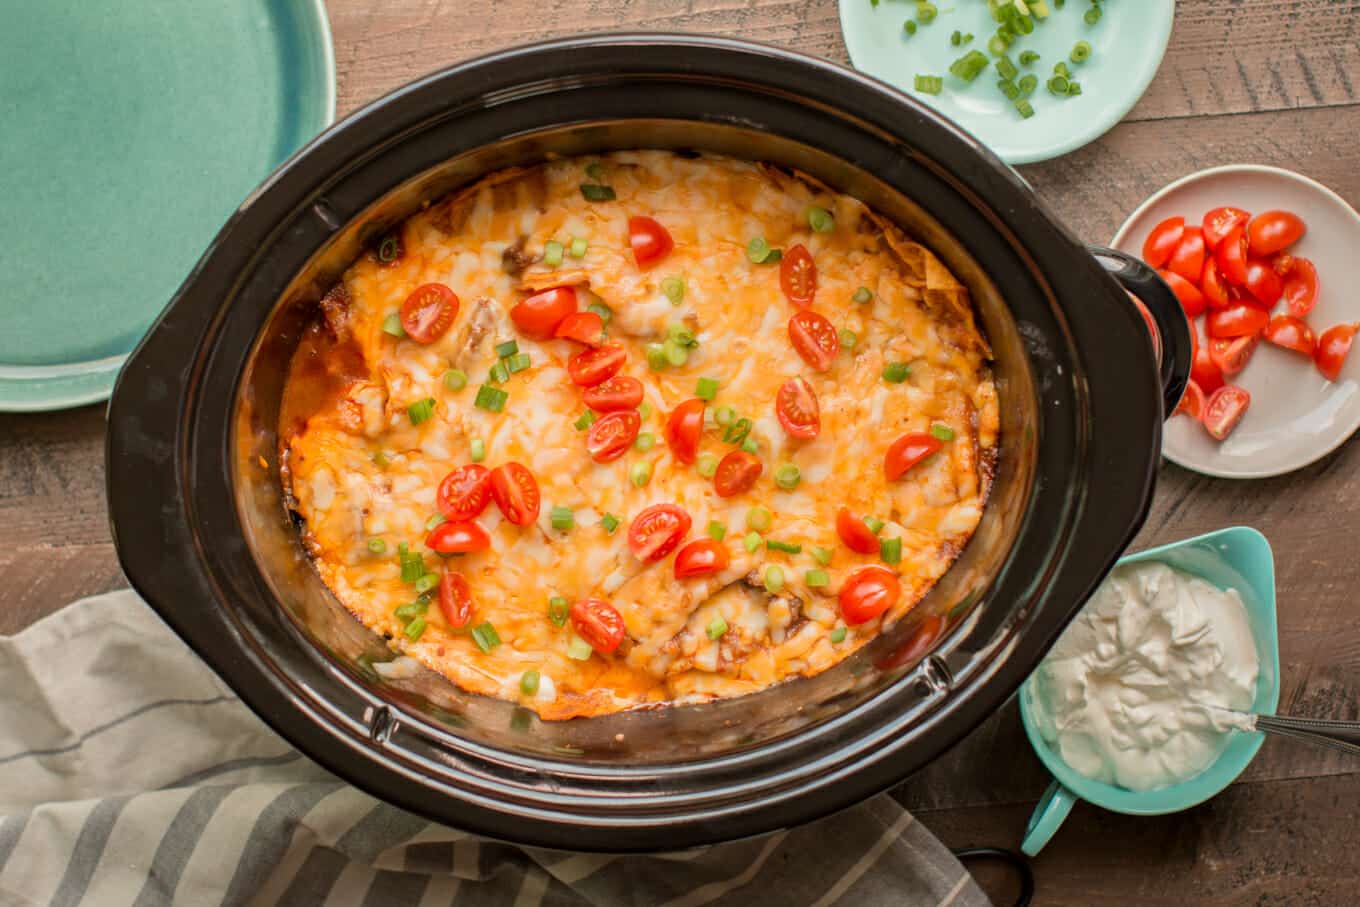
131 775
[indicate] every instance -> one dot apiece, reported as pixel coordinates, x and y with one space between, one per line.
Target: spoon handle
1338 735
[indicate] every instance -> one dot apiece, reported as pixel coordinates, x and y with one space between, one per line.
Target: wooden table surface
1260 81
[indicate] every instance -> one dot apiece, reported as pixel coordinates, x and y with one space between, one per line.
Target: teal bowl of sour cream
1134 693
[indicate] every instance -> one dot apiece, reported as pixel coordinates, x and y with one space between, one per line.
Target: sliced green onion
584 421
1060 69
645 441
499 373
967 36
380 459
1024 108
890 550
838 635
955 40
817 579
645 411
594 192
507 349
759 252
875 524
455 379
926 12
1009 89
435 521
477 450
427 582
863 295
389 250
640 473
392 325
969 66
1081 52
896 372
485 636
820 219
578 648
403 549
909 27
758 518
716 628
786 547
724 415
377 546
997 44
681 335
749 445
604 311
609 522
578 247
942 431
706 465
774 578
412 567
822 555
595 170
1028 84
1024 25
751 541
706 389
552 253
528 682
737 431
558 609
787 477
716 531
930 84
562 518
1058 85
1029 58
656 357
1092 15
518 363
676 352
674 289
411 610
1005 68
415 629
1073 88
491 399
421 410
848 338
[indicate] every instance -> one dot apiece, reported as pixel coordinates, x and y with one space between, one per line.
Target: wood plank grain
39 579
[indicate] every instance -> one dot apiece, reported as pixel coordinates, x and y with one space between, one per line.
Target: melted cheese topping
358 469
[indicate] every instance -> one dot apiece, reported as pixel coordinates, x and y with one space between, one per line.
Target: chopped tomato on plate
1231 256
1333 347
1188 259
1192 300
1239 320
1192 401
1163 241
1272 231
1219 222
1292 334
1232 355
1301 287
1224 409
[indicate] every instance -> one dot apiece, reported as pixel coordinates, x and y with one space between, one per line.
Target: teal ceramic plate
1128 44
132 131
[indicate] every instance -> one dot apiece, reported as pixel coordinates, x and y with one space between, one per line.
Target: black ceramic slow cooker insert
203 533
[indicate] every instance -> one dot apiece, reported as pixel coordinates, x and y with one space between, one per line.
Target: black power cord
1010 858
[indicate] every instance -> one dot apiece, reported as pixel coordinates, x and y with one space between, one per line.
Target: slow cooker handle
1171 338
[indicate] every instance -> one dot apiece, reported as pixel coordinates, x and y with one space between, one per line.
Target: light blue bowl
1238 558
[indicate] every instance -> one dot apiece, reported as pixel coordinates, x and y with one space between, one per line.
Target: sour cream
1132 693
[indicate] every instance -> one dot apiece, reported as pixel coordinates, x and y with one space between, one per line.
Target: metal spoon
1337 735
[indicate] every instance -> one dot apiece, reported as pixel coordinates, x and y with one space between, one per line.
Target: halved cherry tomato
649 240
855 532
737 472
1219 222
700 558
1271 231
465 492
1231 256
515 491
540 314
907 451
1188 259
1238 320
1263 283
1192 402
1206 372
1232 355
598 623
657 531
583 327
796 406
428 313
457 538
1333 347
591 367
1211 284
619 392
1292 334
867 593
1162 241
1283 263
798 275
1192 300
455 599
814 338
1301 287
612 434
684 428
1224 409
